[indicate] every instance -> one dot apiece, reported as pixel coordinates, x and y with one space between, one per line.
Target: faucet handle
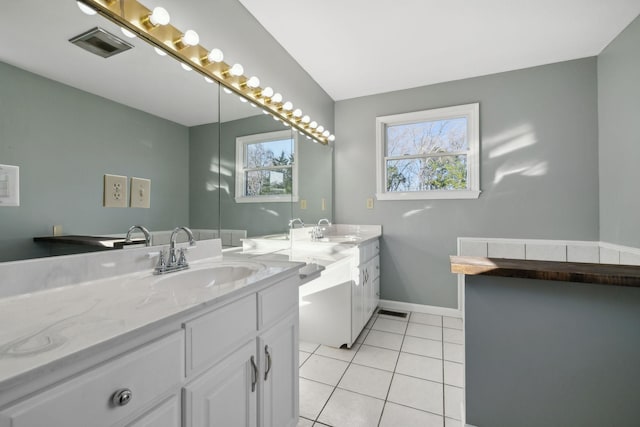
162 264
182 260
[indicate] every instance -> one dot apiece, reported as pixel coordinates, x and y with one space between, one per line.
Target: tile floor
401 373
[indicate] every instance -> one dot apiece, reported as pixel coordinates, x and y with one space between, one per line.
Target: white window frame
469 111
241 143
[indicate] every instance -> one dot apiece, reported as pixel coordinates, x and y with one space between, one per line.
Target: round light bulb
332 138
297 112
87 10
288 106
277 98
313 125
128 33
208 80
215 55
267 92
306 119
326 133
191 38
320 128
160 51
185 67
159 16
236 70
253 82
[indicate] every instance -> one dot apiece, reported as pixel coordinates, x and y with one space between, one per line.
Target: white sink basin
208 276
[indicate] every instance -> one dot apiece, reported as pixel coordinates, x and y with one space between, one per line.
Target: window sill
434 195
267 199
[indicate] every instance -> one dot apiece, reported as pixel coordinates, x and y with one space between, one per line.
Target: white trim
471 112
241 142
420 308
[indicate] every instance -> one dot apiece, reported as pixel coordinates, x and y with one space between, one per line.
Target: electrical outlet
303 204
57 230
140 193
115 191
370 203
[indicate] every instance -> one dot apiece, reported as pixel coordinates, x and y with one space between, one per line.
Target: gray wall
539 172
204 189
619 137
542 353
64 141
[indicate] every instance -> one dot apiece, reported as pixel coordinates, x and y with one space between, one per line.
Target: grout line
443 378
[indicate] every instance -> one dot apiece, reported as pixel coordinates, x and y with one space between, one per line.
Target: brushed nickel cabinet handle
122 397
254 374
266 372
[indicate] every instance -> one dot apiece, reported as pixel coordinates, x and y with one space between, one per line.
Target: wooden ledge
603 274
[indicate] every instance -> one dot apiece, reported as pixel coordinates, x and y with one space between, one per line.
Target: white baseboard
420 308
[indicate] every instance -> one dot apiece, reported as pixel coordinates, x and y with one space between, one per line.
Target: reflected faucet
325 221
317 232
293 222
147 235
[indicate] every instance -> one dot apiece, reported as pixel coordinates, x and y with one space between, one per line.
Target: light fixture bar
134 16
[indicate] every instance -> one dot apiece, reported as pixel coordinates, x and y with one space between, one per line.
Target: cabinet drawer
167 414
87 400
214 335
277 301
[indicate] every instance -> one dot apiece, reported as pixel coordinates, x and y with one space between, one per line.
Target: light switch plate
370 203
303 204
115 191
9 185
140 193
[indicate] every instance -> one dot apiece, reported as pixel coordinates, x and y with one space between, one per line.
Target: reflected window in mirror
267 167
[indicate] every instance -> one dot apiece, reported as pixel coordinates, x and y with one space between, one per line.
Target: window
432 154
266 168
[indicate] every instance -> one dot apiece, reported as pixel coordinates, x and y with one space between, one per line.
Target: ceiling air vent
100 42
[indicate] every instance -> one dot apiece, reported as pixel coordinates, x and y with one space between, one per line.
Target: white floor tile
450 422
313 396
303 422
384 340
453 352
416 393
422 347
453 335
365 380
454 374
388 325
376 357
323 369
425 331
426 319
347 409
302 357
453 402
345 354
426 368
308 346
452 322
398 416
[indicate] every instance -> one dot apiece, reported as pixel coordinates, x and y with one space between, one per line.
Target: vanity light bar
185 47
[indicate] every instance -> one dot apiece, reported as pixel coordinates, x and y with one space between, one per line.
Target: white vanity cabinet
234 364
335 307
251 377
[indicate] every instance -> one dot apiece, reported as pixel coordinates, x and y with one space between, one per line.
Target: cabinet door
370 291
226 395
279 374
357 304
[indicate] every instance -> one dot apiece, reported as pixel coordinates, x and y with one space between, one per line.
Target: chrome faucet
318 231
174 263
325 221
292 222
147 235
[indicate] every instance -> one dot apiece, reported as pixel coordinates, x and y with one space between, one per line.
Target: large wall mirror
68 117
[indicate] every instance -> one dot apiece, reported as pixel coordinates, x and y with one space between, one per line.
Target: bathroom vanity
335 307
214 345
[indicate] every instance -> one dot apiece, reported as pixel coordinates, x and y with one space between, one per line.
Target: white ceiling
355 48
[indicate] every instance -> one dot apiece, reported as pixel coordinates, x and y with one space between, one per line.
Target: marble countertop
40 329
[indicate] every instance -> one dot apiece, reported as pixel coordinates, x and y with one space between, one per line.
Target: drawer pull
122 397
266 372
254 374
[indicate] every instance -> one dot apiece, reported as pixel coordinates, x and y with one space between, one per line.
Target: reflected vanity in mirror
69 117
